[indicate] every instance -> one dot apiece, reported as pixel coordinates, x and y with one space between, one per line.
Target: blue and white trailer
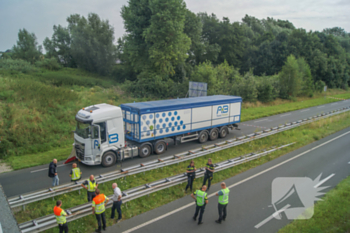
106 133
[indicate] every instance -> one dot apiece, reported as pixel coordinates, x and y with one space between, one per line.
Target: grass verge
330 215
302 135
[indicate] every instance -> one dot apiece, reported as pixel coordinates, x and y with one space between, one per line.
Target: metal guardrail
49 221
27 198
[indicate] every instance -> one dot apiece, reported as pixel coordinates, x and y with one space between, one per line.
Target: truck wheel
145 150
160 147
214 134
203 137
108 159
223 132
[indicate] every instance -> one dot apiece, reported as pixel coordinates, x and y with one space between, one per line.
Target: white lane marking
334 103
348 162
285 114
272 216
46 168
233 185
261 120
320 106
324 180
305 110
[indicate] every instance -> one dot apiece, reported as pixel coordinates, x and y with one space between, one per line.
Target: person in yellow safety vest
98 209
223 201
75 174
91 186
201 200
60 217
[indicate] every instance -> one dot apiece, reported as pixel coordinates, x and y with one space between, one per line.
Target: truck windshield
83 130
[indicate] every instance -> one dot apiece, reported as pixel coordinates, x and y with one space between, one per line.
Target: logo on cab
113 138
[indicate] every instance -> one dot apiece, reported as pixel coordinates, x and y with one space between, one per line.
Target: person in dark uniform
191 175
209 169
201 200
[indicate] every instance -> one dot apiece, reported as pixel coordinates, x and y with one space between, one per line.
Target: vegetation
330 215
302 136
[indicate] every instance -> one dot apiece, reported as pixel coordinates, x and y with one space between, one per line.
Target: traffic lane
17 182
250 202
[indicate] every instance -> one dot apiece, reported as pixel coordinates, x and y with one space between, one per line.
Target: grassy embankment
37 111
302 135
330 215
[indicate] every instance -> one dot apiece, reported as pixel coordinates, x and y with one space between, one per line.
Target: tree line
166 45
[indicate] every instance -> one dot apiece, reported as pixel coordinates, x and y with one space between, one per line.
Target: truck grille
80 150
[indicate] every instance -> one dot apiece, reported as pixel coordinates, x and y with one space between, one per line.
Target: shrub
49 64
17 65
319 85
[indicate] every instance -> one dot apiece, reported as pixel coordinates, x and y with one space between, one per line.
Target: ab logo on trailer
222 111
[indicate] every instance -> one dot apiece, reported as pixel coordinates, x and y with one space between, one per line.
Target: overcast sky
39 16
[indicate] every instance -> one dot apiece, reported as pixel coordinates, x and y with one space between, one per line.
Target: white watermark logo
295 196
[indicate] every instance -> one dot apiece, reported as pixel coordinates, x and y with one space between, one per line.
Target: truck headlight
87 159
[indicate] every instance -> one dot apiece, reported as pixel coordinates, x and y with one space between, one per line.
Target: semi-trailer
106 134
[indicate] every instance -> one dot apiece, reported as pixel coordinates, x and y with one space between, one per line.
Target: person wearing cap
208 175
200 196
60 215
191 175
223 201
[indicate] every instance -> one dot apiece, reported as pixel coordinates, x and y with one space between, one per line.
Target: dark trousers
99 217
209 178
190 180
63 228
90 195
200 210
222 212
117 205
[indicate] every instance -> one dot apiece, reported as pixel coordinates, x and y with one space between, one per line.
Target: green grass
302 135
330 215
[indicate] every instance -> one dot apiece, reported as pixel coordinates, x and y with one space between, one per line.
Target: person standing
75 173
91 186
201 200
117 202
53 173
209 169
60 217
98 209
223 201
191 175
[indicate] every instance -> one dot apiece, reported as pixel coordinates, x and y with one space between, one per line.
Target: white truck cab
99 134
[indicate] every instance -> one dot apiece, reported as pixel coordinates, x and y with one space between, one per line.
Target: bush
49 64
319 85
247 89
17 65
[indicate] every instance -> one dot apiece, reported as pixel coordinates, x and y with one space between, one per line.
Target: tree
290 80
92 45
59 46
155 42
27 47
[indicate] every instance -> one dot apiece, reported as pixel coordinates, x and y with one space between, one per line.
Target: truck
106 134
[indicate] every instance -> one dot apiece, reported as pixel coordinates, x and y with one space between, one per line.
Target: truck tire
213 134
145 150
223 132
203 136
159 147
108 159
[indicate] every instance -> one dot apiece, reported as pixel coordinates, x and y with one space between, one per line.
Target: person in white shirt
117 201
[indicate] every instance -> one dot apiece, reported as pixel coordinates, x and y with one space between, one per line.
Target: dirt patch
4 167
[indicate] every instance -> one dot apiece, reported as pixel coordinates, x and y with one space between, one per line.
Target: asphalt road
251 193
36 178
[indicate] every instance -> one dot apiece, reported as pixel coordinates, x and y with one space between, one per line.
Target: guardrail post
24 207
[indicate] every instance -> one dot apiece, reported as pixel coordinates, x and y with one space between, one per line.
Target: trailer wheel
108 159
160 147
214 134
145 150
223 132
203 137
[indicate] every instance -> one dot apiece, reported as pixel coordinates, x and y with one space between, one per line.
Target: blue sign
222 109
113 138
96 144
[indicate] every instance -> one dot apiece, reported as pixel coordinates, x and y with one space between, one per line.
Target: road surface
36 178
251 193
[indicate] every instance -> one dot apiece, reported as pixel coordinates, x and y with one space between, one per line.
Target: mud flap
71 157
